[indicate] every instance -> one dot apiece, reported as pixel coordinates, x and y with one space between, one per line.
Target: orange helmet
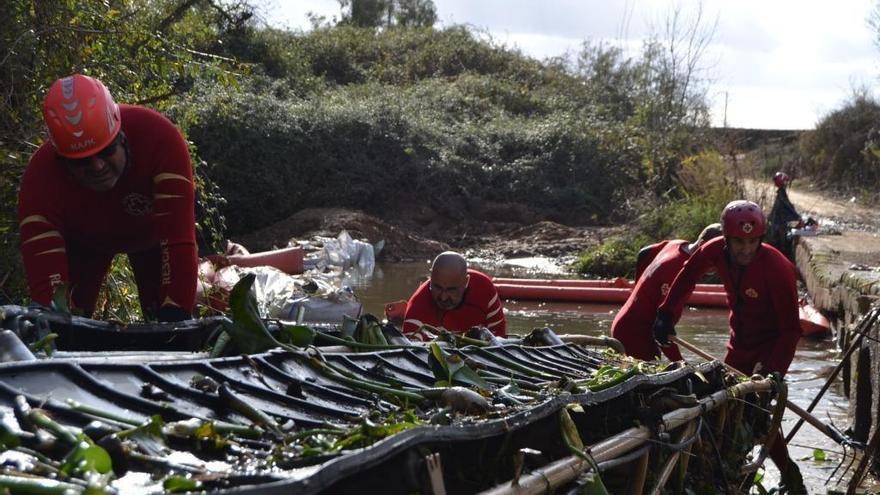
81 116
743 218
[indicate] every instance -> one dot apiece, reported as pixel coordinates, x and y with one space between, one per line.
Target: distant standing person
111 179
782 212
455 298
661 261
762 295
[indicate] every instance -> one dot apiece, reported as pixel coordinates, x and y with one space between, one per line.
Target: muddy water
704 328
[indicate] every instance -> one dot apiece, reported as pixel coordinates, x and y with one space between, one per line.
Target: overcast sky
782 64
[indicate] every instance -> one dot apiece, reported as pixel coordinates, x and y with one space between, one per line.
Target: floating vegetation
293 417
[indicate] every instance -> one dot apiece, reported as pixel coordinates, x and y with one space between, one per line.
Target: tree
662 92
415 13
145 51
387 13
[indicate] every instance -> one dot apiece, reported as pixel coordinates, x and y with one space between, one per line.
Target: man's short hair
710 232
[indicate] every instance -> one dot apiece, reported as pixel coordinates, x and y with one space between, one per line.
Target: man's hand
662 329
218 260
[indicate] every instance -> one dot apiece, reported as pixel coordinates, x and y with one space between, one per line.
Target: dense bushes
146 52
841 152
706 188
409 123
441 119
449 147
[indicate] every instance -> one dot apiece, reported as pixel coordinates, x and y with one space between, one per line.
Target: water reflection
705 328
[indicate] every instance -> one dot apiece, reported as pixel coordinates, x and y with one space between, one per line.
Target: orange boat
607 291
598 283
813 323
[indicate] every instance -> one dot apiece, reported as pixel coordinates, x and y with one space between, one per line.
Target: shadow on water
706 328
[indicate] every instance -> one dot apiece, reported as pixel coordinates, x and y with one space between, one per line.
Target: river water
705 328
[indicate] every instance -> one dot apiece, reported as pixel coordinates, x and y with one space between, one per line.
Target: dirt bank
517 236
403 243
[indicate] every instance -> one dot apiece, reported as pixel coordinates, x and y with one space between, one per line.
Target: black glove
663 328
170 312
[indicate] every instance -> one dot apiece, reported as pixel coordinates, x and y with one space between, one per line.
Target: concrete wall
842 276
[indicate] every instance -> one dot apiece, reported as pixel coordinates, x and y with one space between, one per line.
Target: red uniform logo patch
137 205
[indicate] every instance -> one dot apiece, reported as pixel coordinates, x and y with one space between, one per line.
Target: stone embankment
842 275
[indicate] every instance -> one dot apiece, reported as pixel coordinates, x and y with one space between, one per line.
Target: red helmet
743 218
81 116
781 179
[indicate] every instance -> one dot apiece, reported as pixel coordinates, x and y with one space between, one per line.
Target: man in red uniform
456 299
660 262
112 179
762 295
782 214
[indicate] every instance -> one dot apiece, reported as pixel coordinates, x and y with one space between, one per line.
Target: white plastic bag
345 252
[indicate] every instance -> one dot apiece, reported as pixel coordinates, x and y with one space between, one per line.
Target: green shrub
615 257
450 147
837 153
164 50
706 190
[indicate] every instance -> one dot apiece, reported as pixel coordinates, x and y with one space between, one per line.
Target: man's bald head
449 261
449 279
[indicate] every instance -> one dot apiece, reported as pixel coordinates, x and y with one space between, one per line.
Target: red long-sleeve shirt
763 301
152 205
646 256
480 306
632 324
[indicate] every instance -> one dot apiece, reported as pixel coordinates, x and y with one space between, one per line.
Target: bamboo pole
859 472
603 341
809 418
569 468
637 484
670 464
860 331
684 461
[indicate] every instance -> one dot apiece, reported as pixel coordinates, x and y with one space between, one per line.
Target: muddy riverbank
410 242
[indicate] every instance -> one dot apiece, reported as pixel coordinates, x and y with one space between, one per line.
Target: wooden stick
861 330
859 473
809 418
569 468
602 340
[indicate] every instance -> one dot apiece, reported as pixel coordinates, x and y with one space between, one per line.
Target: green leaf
179 484
85 457
593 485
819 455
247 330
60 301
569 430
298 335
468 376
437 362
148 436
97 459
369 331
220 344
45 344
575 408
450 368
8 438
